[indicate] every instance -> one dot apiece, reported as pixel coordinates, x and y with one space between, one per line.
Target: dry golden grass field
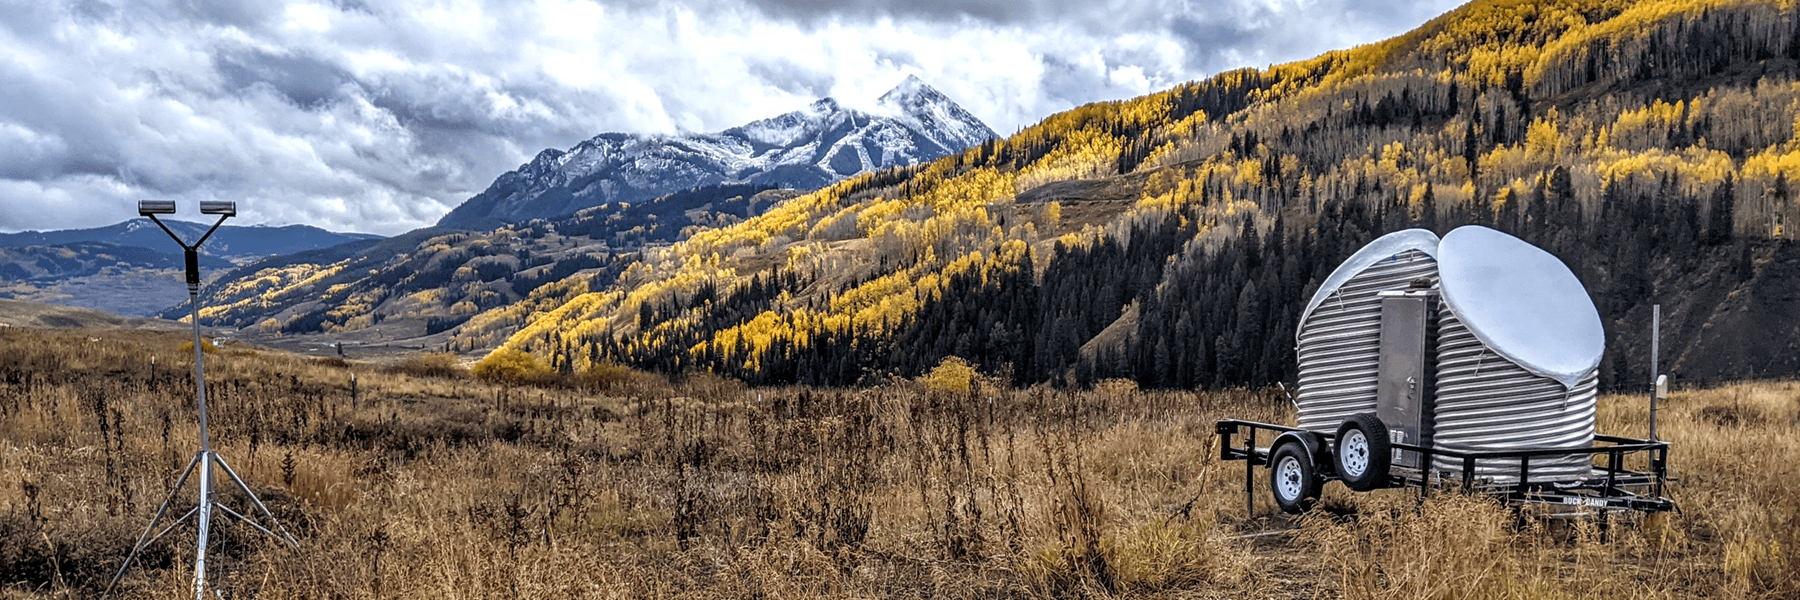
424 483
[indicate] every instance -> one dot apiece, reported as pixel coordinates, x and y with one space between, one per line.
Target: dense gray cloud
381 115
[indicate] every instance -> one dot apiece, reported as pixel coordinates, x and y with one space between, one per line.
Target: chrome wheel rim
1287 478
1354 451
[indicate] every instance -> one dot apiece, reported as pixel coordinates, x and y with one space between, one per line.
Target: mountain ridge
231 242
132 267
807 148
425 281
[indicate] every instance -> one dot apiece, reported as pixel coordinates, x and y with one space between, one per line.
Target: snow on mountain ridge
925 108
810 147
786 129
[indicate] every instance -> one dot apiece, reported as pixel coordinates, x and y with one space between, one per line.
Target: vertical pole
199 354
1425 470
205 507
1250 475
1655 349
205 521
1613 459
1659 464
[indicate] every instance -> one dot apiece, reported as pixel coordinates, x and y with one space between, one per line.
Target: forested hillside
431 280
1173 238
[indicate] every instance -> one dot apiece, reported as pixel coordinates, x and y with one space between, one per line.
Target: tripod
205 459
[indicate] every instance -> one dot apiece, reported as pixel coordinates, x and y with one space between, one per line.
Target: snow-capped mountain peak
911 92
807 148
927 109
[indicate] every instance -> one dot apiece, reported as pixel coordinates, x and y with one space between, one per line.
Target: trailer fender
1315 446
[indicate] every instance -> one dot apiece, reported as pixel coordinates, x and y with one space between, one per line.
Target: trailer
1468 362
1301 462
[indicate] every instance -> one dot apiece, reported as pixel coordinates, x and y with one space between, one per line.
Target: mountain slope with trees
132 267
1650 145
430 280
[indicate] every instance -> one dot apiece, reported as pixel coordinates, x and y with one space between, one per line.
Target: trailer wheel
1293 478
1363 452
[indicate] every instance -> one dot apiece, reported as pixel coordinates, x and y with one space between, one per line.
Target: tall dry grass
428 485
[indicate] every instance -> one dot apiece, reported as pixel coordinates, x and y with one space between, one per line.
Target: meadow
417 481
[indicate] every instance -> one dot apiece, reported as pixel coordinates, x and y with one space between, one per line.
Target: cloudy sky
380 115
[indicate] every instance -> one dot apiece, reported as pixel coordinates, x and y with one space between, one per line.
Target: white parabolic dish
1522 302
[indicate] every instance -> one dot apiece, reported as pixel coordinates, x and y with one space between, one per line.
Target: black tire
1363 452
1293 479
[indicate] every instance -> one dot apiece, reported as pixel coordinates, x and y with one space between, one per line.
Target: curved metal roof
1383 248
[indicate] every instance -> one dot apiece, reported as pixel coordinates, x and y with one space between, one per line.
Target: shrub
206 345
605 375
953 374
510 367
432 364
1116 387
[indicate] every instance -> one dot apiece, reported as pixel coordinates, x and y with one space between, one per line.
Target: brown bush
442 365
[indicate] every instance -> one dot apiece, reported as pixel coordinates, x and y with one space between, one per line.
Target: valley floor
409 485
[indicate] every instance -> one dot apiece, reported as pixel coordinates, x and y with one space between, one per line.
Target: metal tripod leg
239 516
205 522
172 525
285 536
145 539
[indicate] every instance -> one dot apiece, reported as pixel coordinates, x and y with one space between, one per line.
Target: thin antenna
1655 349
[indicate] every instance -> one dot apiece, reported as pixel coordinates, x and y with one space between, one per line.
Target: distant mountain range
62 262
124 267
232 242
804 149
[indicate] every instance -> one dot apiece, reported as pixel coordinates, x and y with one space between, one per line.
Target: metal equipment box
1404 384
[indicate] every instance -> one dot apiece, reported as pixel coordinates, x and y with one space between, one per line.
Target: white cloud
379 116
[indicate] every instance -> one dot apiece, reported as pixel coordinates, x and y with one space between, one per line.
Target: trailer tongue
1468 362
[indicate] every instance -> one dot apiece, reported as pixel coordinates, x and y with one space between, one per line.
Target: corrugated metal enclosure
1517 347
1487 402
1340 331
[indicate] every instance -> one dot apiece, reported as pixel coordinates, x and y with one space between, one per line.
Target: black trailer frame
1613 488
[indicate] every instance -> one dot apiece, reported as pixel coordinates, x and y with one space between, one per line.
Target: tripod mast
205 459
